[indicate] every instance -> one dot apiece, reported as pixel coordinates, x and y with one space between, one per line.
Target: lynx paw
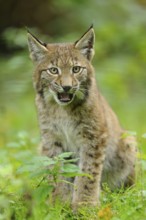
77 205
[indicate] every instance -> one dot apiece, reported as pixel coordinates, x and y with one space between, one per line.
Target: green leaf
70 168
73 174
71 160
42 160
27 168
37 163
65 155
39 173
42 192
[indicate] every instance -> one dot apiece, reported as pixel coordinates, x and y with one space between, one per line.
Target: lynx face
63 71
64 80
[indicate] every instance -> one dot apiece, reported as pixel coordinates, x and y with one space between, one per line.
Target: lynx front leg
51 148
62 190
87 189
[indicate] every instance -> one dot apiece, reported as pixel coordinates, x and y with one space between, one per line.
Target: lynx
74 117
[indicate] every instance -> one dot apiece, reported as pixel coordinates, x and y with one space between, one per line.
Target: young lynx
74 116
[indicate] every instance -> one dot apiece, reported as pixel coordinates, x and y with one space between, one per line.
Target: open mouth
65 97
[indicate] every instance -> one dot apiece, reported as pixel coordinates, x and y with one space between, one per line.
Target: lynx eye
77 69
54 70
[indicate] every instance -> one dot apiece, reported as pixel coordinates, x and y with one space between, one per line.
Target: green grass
20 198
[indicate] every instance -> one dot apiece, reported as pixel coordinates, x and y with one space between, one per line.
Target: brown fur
84 124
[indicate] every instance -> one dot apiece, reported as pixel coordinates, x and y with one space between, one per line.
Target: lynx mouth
65 97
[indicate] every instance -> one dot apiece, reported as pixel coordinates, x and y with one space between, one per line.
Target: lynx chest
65 128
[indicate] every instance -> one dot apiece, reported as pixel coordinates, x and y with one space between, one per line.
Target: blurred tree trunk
32 13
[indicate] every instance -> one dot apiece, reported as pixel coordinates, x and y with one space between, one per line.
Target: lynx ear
86 43
37 48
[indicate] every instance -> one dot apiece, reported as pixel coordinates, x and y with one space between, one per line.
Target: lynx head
63 71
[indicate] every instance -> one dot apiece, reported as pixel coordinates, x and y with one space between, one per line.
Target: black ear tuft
86 43
36 47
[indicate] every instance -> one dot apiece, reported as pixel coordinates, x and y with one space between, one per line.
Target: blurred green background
120 59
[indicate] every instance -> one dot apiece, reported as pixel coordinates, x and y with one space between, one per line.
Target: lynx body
74 116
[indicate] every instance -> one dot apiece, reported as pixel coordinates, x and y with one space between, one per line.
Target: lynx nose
66 88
